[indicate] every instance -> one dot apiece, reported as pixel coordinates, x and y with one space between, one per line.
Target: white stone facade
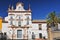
20 20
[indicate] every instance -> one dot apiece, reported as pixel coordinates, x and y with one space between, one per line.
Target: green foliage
59 18
52 19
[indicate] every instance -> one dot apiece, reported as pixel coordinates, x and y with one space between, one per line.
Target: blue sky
40 8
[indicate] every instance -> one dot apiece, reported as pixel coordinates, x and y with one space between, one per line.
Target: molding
19 19
11 14
4 21
17 27
27 19
12 11
38 22
16 19
27 14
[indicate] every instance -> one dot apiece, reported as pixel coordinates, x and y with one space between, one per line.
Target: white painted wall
35 29
4 27
59 26
35 26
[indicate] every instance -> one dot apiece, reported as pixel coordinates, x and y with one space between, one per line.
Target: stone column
50 35
14 35
25 33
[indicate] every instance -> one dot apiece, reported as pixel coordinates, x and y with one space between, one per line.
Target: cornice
12 11
38 21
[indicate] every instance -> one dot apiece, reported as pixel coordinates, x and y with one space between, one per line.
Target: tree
52 20
58 18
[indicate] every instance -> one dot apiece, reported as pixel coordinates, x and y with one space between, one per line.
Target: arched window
27 20
40 27
19 22
11 21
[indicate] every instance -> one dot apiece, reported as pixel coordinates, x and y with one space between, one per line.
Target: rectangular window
19 22
40 27
11 20
19 33
40 35
27 20
11 23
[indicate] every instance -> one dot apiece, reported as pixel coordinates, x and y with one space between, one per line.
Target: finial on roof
29 8
12 7
19 3
9 7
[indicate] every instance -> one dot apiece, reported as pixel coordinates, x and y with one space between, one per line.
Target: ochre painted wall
0 23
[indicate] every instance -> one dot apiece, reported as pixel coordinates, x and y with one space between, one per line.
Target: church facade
19 24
